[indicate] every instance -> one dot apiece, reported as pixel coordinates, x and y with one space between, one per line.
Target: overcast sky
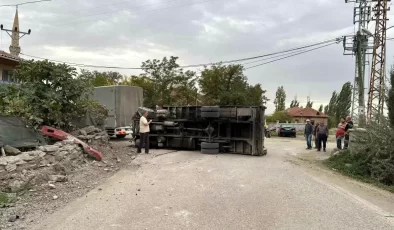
125 33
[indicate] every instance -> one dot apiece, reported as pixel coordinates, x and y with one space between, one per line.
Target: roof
9 56
305 112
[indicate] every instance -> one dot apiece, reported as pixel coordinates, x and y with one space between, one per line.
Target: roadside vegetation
370 157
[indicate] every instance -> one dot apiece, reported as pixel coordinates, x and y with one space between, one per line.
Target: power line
194 65
306 51
24 3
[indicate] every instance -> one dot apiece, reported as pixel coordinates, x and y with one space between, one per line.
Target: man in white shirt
144 133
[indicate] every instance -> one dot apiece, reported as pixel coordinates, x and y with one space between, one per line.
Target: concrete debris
11 151
51 186
13 218
55 197
49 148
58 178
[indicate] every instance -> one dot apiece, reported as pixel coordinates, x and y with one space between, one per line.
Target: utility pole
15 33
376 94
357 45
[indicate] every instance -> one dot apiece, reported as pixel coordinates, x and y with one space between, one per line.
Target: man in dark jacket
349 125
308 134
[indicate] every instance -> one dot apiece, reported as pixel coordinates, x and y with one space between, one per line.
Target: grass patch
354 166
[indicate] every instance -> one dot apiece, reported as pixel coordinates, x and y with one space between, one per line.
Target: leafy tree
332 106
309 104
390 98
165 83
294 103
280 116
344 102
280 99
101 78
326 109
321 108
227 85
49 94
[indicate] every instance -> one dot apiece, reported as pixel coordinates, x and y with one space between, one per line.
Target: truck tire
210 151
208 145
210 114
210 109
120 136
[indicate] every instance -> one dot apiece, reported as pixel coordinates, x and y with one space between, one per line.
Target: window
7 75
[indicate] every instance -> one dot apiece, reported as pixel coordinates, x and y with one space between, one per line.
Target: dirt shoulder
312 163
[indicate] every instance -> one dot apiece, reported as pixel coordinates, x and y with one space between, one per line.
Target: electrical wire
194 65
299 53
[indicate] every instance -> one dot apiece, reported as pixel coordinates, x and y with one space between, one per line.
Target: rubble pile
92 135
22 170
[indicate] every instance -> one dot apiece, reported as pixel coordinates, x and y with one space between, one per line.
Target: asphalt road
188 190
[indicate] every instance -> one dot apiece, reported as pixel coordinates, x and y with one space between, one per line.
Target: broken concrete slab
11 151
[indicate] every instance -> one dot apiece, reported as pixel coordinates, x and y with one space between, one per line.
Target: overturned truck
211 129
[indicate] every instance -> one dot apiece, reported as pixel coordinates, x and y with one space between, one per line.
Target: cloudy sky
125 33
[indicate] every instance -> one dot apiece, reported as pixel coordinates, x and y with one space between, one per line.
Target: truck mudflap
61 135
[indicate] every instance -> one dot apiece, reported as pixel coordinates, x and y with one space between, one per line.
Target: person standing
315 135
308 134
340 134
349 125
144 133
322 133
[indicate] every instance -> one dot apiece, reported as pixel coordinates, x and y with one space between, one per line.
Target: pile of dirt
56 178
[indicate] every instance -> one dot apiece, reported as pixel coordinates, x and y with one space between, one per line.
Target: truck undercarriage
213 129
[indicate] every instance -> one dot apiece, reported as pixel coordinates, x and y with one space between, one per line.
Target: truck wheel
210 114
210 109
208 145
120 136
209 151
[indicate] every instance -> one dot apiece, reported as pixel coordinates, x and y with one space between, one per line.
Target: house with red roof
300 115
8 63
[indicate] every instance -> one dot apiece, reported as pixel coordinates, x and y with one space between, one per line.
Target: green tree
280 116
344 102
227 85
101 78
390 98
294 103
332 105
321 108
167 80
49 94
326 109
280 99
309 104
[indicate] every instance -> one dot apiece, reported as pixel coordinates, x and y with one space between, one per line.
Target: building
8 63
300 115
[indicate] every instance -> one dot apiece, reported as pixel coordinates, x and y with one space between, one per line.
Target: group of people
320 133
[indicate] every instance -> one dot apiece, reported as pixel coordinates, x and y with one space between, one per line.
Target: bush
50 94
371 154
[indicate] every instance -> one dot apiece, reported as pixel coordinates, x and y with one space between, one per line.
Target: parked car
287 131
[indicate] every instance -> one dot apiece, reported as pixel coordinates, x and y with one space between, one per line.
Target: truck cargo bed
236 129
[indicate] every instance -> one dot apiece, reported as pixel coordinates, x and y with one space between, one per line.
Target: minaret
15 49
